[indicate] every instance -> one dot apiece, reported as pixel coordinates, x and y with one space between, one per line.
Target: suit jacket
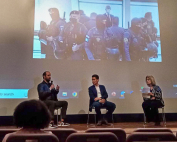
109 20
93 94
45 93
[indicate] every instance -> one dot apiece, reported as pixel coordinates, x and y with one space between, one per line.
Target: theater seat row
93 134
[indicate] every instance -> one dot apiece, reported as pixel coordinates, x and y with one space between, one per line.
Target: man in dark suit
98 99
109 17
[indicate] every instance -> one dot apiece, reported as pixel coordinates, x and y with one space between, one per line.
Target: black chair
163 117
146 136
120 133
58 108
95 117
92 137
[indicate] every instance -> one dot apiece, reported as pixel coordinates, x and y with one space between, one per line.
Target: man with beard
48 35
96 40
73 37
115 41
134 41
48 94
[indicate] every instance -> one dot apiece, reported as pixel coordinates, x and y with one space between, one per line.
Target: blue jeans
108 105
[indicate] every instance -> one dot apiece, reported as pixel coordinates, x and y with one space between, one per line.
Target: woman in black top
151 105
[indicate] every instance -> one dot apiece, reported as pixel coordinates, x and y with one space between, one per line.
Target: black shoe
148 120
157 124
99 123
106 122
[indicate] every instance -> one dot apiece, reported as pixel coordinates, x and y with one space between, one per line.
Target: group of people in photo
98 37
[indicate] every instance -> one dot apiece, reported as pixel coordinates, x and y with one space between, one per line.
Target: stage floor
128 127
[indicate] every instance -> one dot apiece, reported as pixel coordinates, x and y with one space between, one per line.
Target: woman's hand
153 98
150 94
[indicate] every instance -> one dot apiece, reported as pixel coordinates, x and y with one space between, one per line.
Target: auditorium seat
35 137
153 130
92 137
3 132
62 133
146 136
120 133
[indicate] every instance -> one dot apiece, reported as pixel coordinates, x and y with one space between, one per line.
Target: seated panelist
98 99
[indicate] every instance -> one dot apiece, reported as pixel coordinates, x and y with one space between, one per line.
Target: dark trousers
108 105
52 105
150 108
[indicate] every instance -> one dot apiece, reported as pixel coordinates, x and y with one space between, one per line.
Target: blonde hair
152 79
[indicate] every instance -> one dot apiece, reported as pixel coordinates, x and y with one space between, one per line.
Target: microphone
51 82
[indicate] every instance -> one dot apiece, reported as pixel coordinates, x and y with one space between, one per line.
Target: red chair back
153 130
120 133
92 137
3 132
32 137
146 136
62 133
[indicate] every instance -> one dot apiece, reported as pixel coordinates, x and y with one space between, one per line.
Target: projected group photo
97 30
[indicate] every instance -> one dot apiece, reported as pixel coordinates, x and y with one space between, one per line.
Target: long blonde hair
150 77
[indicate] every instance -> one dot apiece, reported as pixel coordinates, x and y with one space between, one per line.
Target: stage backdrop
25 54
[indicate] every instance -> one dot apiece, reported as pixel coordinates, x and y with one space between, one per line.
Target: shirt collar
45 82
97 86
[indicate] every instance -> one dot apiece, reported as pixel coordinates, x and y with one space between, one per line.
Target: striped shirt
157 94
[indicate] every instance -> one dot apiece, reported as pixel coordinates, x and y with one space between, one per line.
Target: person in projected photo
115 41
73 36
108 15
48 35
96 40
135 42
83 18
48 94
151 30
150 24
98 99
152 45
92 22
151 105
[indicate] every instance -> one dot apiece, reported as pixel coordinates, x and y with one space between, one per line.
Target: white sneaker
52 126
60 124
64 124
